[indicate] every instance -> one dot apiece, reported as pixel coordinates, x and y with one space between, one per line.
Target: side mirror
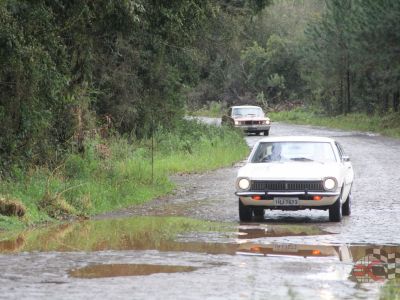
345 158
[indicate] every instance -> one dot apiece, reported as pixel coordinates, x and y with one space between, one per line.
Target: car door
347 171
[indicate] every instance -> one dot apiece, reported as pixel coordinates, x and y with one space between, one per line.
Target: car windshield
247 111
293 151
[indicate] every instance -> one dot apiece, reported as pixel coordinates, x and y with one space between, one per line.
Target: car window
293 151
247 112
340 149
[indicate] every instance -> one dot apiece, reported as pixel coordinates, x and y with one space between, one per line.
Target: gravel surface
375 215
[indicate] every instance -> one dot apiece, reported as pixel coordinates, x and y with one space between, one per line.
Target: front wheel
258 212
245 212
335 211
266 132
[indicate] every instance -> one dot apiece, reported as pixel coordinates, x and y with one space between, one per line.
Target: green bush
93 182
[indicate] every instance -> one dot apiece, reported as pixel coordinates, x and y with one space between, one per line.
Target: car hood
255 118
289 170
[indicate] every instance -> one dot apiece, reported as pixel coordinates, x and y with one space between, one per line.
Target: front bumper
305 201
254 128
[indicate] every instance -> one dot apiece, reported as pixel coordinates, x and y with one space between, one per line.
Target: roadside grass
391 290
386 124
115 173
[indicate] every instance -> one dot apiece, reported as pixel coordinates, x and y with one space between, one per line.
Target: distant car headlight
268 121
237 122
330 184
243 184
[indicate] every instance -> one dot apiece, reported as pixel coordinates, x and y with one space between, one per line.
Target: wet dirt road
190 245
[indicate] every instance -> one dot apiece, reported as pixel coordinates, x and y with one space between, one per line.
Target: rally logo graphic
377 265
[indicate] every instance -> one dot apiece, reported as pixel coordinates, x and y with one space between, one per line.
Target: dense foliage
65 64
353 50
69 69
340 56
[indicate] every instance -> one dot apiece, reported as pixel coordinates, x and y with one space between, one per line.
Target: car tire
245 212
335 211
258 212
346 207
266 132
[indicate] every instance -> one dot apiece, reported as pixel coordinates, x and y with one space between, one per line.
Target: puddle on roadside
139 233
117 270
369 263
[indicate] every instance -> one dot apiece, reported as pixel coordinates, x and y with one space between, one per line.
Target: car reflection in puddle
306 251
256 232
370 263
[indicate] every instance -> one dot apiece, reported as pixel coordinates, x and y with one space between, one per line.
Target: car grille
294 186
251 122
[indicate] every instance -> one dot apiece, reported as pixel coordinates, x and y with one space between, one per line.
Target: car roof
245 106
299 138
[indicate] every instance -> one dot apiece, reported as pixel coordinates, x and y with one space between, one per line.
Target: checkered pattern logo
377 265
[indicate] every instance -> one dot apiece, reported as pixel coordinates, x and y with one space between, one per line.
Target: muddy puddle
117 270
369 263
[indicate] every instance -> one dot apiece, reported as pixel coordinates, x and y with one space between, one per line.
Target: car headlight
330 184
268 121
243 183
237 122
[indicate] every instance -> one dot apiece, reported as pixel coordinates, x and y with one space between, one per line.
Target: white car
251 119
295 173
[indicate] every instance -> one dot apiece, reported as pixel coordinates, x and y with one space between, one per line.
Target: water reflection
255 232
376 263
116 270
305 251
370 262
139 233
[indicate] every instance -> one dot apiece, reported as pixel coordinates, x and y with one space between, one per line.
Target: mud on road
132 253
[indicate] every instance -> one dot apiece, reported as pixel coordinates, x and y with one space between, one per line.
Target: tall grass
116 173
386 124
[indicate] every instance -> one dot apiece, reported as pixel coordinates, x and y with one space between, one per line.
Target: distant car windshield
247 111
294 151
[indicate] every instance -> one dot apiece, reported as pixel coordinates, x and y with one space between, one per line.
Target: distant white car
295 173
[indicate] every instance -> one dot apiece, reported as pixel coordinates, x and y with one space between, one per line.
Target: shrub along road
194 246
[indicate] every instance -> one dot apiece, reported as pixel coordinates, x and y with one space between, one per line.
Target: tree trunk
341 106
348 109
386 103
396 101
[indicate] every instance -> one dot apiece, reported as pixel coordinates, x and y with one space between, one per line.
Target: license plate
284 248
286 201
